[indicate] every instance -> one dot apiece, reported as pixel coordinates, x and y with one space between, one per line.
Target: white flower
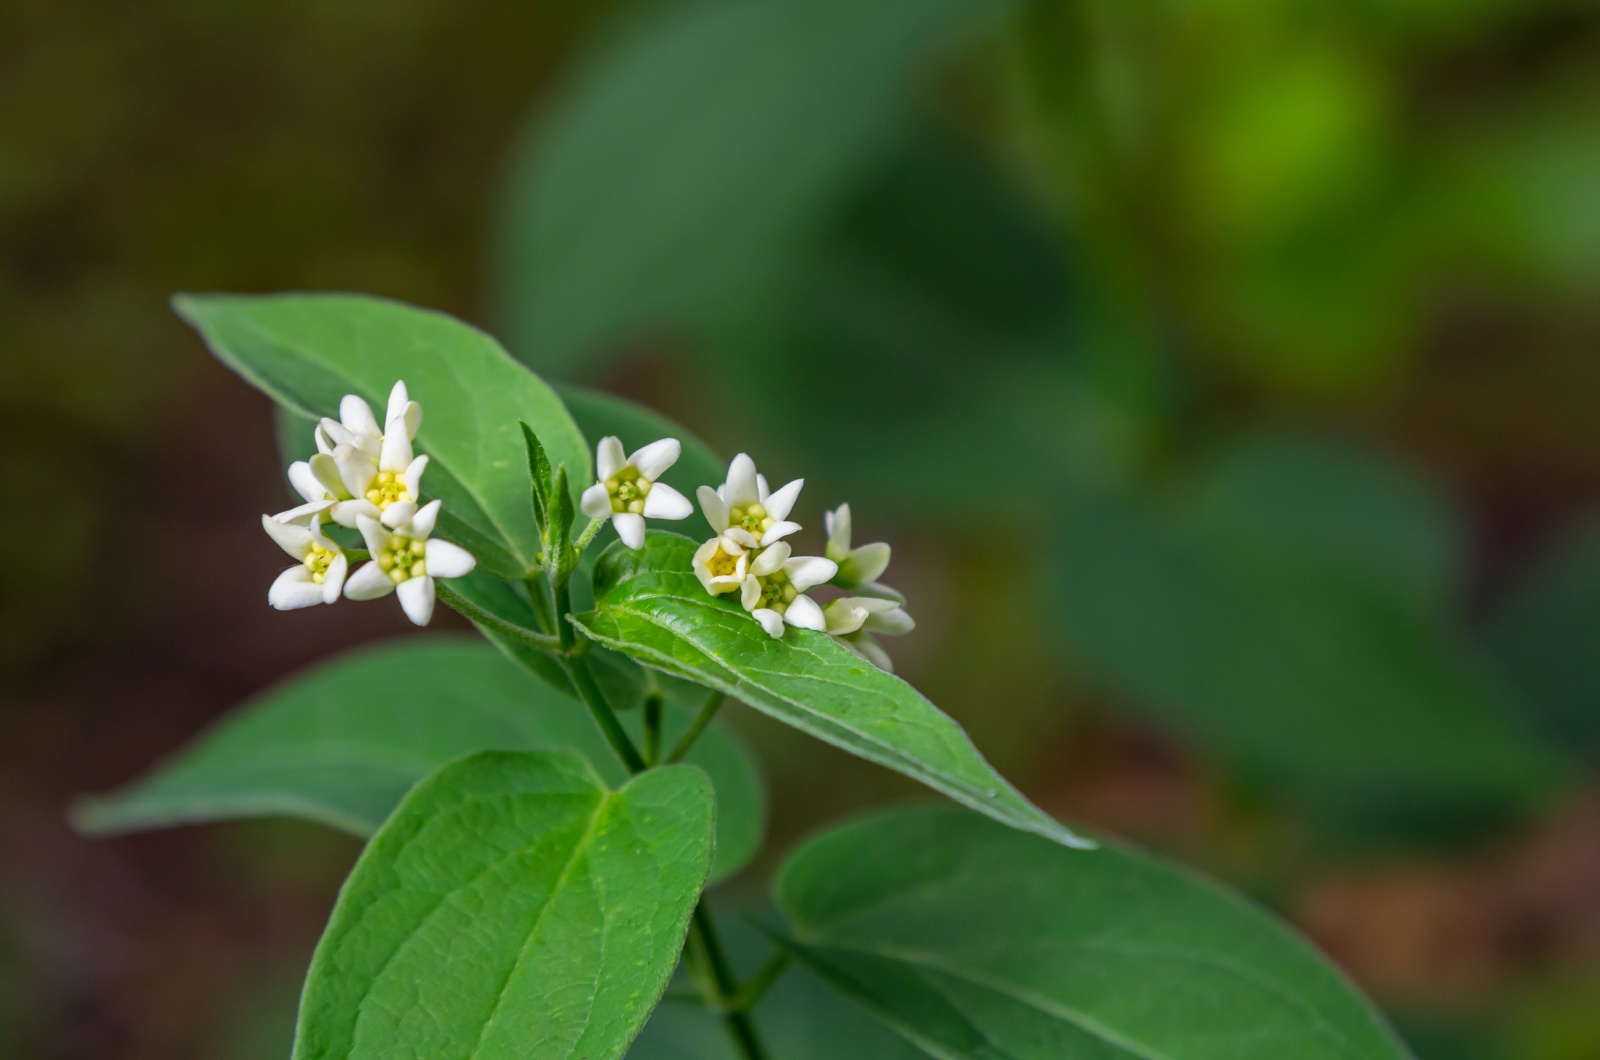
721 564
627 492
852 620
859 568
774 589
404 560
319 575
745 510
318 481
357 426
394 478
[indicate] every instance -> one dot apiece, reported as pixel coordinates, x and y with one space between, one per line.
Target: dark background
1376 220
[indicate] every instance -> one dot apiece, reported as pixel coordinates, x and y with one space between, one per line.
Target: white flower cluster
749 555
364 478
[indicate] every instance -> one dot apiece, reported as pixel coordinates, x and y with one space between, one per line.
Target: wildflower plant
546 811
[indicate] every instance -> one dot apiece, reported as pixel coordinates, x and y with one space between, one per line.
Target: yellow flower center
722 564
776 591
754 519
317 561
388 488
403 559
628 490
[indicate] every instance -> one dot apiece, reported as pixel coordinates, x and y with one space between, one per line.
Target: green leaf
1317 663
1545 634
599 414
681 168
511 907
981 942
650 606
539 479
308 351
341 744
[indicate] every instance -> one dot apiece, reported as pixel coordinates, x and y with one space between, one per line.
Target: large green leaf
1316 657
511 907
650 606
342 743
308 351
981 942
1545 634
682 166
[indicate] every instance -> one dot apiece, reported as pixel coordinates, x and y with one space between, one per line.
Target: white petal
781 503
741 491
609 457
356 470
664 502
291 537
803 613
398 399
397 453
770 621
413 476
778 531
656 457
630 527
869 562
324 469
740 537
761 488
416 599
771 559
357 417
596 502
324 443
397 513
841 618
337 432
294 589
373 533
422 524
305 514
411 416
305 481
368 583
446 559
348 513
714 508
894 622
333 578
749 594
838 524
806 571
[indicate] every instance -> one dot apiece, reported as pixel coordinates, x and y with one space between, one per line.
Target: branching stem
708 711
490 620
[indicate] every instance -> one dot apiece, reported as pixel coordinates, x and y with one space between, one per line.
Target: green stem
707 712
588 535
718 983
652 728
583 681
756 987
489 620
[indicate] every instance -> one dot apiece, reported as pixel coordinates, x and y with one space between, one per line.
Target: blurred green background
1225 374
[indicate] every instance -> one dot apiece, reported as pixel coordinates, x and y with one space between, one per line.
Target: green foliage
976 941
1545 633
624 212
342 743
308 351
651 607
512 906
1288 612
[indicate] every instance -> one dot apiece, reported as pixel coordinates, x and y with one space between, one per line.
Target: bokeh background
1225 374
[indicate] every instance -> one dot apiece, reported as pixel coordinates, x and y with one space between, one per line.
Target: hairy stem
489 620
588 535
708 711
582 679
717 980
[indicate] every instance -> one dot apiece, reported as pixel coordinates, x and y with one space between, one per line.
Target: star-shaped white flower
319 575
318 481
406 561
859 568
852 621
357 426
627 491
395 477
721 564
744 509
774 590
